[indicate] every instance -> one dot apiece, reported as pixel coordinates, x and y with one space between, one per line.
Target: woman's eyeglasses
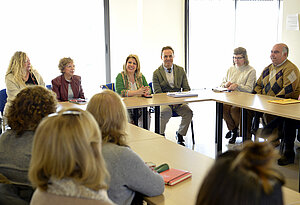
237 58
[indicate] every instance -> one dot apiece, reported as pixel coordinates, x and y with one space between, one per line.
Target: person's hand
227 84
148 90
142 90
233 86
299 97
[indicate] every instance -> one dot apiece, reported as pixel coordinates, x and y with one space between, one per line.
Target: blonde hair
138 65
68 145
16 67
110 112
63 63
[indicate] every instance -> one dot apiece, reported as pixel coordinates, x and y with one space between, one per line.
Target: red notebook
173 176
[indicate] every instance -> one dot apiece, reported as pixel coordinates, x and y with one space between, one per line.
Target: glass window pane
257 24
50 30
216 28
143 28
211 41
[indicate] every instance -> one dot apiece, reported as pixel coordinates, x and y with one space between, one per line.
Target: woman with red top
67 86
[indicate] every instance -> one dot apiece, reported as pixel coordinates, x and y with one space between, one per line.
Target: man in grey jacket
172 78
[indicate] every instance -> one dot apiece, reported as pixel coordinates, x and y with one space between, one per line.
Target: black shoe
228 135
287 158
235 133
232 140
179 139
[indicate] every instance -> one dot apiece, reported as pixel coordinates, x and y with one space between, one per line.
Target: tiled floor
204 129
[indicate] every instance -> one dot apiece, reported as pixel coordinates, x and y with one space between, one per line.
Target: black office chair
174 114
3 99
110 86
49 87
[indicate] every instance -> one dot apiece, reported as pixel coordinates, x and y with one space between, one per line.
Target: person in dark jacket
67 86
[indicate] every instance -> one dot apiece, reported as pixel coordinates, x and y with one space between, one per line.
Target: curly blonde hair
16 67
29 107
110 112
63 63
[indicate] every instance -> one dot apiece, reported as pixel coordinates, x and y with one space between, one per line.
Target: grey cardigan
129 174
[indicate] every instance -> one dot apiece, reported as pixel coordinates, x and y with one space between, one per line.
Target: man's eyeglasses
237 58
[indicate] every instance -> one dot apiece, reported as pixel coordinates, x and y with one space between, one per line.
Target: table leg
145 118
157 119
244 124
136 116
219 126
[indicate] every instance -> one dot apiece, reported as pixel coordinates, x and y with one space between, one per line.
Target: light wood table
247 101
254 102
161 99
153 148
138 134
65 105
161 151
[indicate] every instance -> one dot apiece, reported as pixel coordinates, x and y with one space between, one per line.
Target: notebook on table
174 176
181 94
284 101
220 89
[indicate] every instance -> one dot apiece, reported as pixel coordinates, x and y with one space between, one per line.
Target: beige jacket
13 88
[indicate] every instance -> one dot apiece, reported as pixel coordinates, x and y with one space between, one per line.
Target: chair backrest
110 86
150 85
49 87
3 99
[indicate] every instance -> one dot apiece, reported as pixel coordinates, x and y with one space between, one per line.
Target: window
50 30
217 27
143 27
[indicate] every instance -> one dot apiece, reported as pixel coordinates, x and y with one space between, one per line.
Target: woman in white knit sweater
240 77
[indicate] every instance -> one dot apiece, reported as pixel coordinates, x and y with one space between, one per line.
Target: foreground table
161 151
152 147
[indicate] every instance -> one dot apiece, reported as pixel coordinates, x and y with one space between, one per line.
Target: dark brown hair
29 107
166 48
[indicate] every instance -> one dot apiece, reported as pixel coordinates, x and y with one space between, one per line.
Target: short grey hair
241 51
285 49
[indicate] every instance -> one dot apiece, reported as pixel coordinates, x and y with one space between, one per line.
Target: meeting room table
246 101
154 148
